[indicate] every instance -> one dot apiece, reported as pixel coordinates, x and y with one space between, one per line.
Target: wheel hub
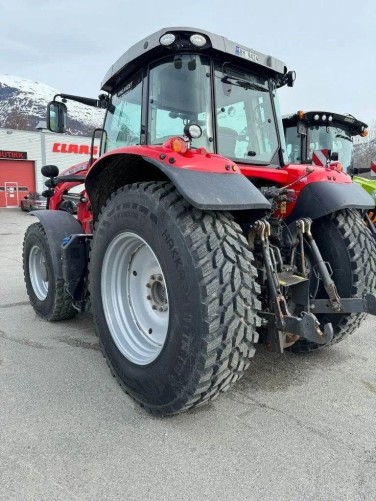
157 293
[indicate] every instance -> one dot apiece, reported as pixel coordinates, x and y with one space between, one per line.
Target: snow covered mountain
23 105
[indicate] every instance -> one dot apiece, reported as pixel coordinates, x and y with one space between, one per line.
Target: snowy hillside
23 105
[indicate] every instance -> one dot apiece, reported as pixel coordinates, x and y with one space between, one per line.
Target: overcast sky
70 44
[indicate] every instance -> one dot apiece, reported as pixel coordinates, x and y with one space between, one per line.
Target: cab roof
354 126
150 49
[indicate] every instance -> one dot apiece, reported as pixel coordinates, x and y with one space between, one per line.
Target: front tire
46 292
348 246
173 296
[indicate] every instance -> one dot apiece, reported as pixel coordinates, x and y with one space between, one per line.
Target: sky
70 44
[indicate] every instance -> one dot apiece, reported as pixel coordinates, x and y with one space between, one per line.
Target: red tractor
195 238
323 138
313 132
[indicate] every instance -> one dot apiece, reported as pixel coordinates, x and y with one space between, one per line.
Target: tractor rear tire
347 244
173 296
46 292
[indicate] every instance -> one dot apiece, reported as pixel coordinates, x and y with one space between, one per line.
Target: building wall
42 148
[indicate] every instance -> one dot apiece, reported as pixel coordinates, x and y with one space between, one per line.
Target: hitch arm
304 228
277 299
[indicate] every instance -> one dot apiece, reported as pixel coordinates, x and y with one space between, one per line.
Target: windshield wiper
344 137
245 84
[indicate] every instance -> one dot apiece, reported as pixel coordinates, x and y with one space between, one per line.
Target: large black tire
347 244
206 274
46 292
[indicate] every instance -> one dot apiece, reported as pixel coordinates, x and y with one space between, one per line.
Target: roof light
197 40
330 118
324 117
167 39
316 117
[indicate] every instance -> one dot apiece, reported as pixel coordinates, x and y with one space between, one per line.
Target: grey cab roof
143 50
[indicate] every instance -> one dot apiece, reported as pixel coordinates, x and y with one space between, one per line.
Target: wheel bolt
148 297
160 308
159 278
154 307
148 286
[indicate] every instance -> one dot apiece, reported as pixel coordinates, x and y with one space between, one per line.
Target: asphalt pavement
294 428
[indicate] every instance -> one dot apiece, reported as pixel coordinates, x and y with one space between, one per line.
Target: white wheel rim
134 297
38 272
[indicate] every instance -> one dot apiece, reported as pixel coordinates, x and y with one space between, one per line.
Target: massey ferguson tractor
195 238
321 137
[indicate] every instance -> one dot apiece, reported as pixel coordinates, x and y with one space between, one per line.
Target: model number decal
245 54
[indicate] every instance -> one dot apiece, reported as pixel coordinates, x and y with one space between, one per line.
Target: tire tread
229 291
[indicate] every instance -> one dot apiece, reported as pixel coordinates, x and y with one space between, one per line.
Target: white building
23 154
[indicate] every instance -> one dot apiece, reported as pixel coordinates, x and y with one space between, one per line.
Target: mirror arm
96 103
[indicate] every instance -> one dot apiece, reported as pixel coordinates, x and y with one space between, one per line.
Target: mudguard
209 188
57 225
323 198
214 190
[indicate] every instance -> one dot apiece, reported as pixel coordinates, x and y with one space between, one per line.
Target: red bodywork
83 213
296 177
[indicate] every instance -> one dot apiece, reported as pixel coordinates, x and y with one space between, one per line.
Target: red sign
77 149
13 155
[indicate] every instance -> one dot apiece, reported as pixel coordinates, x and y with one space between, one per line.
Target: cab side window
123 119
293 144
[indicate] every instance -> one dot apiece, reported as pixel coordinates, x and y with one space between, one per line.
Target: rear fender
322 198
214 190
57 225
206 188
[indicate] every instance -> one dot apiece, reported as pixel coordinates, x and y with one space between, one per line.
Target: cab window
179 95
293 145
123 119
246 129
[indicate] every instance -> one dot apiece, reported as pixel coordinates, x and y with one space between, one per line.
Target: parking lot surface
294 428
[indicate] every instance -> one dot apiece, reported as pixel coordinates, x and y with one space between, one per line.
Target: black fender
323 198
204 190
212 190
57 225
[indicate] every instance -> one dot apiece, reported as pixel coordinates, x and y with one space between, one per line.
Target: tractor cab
196 85
309 133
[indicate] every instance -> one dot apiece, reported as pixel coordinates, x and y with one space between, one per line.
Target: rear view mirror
56 116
